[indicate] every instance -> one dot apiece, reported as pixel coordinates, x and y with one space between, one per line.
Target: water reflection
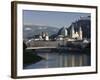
53 60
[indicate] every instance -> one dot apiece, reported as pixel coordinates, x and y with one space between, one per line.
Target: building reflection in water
56 60
71 60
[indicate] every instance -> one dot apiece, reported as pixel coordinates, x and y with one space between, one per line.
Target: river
65 59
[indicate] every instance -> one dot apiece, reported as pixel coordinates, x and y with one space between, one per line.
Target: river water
65 59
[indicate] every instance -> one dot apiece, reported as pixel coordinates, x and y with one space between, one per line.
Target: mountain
30 30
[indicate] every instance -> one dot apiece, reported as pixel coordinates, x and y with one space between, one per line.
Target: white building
80 33
59 37
76 34
45 36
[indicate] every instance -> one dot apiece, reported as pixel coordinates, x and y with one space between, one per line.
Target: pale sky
51 18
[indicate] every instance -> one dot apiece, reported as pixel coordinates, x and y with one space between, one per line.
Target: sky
51 18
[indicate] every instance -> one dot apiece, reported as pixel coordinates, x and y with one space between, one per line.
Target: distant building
76 34
80 33
45 36
64 32
41 36
59 37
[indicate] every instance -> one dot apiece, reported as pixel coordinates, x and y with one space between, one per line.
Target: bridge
55 48
46 47
58 46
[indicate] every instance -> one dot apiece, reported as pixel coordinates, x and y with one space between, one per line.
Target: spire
80 29
72 30
64 31
80 33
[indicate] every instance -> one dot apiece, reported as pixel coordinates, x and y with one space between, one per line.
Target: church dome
63 31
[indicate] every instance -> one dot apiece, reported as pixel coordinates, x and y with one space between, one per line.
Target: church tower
80 33
64 31
72 31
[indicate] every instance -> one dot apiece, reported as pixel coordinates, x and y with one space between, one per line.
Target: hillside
30 30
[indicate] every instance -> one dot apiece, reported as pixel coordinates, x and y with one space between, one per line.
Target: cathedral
76 34
73 34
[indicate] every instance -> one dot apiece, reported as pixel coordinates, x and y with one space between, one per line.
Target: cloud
28 29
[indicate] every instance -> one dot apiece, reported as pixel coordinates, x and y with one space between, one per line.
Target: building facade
76 34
